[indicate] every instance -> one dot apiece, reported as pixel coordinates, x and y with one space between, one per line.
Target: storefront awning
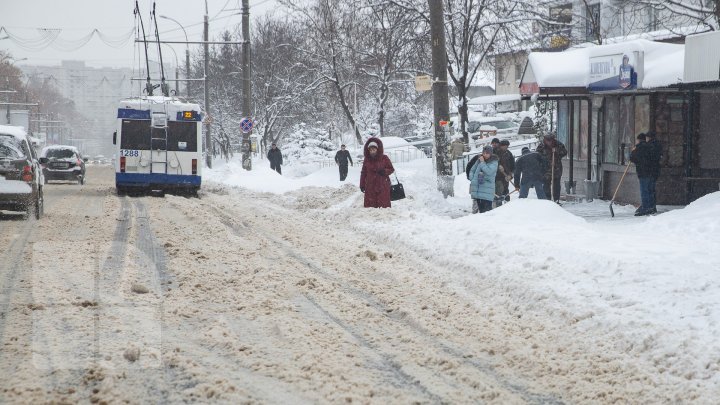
637 64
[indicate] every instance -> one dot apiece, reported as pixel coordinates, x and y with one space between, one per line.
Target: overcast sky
114 18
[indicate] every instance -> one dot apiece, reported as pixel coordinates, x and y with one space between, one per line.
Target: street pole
247 84
208 138
441 105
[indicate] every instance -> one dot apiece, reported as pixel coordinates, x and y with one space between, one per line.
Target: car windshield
59 154
11 147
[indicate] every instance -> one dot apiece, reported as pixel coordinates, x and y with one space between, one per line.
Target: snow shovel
612 213
502 197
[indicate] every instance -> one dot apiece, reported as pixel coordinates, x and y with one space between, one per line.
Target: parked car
64 163
21 177
491 127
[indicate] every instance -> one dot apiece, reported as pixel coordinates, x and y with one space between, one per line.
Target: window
11 148
60 153
135 134
518 72
500 75
592 22
182 136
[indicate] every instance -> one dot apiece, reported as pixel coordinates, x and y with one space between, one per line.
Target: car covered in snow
64 163
21 178
485 127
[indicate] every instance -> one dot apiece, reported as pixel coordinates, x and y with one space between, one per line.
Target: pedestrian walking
342 157
506 168
647 168
482 179
655 158
552 151
375 175
457 148
275 157
530 173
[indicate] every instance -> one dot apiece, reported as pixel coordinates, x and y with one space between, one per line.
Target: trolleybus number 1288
129 152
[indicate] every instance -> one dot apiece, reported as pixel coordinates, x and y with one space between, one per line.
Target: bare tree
331 33
386 53
476 29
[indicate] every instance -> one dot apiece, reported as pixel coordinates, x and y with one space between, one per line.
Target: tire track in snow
449 349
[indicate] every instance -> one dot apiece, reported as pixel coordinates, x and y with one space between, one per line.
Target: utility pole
441 105
247 84
208 138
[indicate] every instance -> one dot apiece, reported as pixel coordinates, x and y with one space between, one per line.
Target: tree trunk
441 105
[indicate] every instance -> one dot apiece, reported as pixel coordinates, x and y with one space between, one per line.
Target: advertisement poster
616 72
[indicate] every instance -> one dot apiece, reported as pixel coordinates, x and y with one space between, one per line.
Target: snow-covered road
244 296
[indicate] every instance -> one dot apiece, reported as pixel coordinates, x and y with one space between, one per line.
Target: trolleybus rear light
194 166
122 164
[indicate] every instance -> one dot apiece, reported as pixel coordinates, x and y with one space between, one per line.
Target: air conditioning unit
159 120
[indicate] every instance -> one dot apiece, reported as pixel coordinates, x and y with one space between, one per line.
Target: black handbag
397 191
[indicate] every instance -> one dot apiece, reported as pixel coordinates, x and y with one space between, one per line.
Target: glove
362 189
508 178
381 172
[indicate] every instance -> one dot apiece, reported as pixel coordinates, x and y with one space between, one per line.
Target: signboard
246 125
423 83
616 72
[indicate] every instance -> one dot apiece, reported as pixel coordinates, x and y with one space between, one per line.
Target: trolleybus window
135 134
182 136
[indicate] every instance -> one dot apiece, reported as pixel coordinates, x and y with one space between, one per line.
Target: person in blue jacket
482 179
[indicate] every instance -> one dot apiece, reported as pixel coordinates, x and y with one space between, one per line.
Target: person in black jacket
505 171
643 157
530 172
655 158
552 151
275 157
341 159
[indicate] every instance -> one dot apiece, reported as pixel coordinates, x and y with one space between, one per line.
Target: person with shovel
643 155
552 151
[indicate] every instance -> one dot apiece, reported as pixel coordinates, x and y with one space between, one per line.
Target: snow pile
18 132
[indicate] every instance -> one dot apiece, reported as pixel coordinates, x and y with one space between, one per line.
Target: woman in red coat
375 175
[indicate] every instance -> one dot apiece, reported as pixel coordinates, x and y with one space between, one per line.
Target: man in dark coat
341 159
275 157
643 157
530 172
506 167
655 158
552 151
375 175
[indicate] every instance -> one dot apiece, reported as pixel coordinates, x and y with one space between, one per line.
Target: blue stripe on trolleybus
147 179
133 114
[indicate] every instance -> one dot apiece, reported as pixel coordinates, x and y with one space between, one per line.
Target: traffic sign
423 83
246 125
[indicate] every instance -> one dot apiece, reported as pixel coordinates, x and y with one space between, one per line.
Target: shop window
612 134
563 115
626 127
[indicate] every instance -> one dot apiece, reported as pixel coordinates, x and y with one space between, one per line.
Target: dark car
21 177
64 163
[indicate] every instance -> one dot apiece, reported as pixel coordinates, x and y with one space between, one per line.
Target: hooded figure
375 175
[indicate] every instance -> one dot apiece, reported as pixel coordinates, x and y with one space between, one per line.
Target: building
580 23
607 94
95 92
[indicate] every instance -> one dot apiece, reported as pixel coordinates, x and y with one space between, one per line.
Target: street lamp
187 54
177 68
